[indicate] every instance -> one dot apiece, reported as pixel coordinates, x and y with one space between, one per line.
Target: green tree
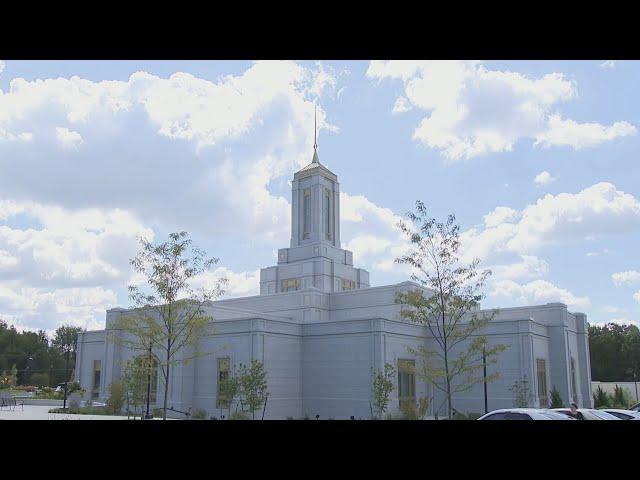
229 391
134 380
40 379
520 389
615 352
65 341
253 386
169 316
382 388
556 398
447 305
116 398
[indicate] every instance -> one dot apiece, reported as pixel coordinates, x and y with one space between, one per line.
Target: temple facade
320 330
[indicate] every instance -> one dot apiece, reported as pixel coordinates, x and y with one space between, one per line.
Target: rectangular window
326 211
541 368
306 209
97 371
406 382
574 388
291 285
224 365
348 284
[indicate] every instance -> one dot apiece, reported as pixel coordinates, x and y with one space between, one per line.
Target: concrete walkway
41 412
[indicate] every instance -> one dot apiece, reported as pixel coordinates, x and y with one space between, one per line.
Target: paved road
41 412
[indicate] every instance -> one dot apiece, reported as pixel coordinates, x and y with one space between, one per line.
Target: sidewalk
41 412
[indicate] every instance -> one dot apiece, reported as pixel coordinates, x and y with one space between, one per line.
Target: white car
623 414
524 414
588 413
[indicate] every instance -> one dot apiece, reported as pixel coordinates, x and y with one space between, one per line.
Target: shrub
621 398
40 379
415 411
602 399
238 415
74 400
157 413
115 402
199 414
556 399
520 389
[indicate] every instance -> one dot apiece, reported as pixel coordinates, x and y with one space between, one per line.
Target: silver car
588 413
623 414
524 414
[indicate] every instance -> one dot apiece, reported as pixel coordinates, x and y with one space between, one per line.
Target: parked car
636 407
523 414
622 414
59 388
588 413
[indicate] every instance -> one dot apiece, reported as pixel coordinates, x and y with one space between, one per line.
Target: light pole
66 380
484 378
148 416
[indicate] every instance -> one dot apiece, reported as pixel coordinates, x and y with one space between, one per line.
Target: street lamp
484 377
148 416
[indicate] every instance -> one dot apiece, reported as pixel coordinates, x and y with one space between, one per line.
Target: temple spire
315 136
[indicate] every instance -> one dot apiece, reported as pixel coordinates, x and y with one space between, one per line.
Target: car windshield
556 415
602 415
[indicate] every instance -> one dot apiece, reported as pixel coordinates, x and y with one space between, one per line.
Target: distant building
320 329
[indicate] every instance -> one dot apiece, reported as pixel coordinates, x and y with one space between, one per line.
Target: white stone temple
320 329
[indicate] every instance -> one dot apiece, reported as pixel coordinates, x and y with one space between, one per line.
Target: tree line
32 358
615 352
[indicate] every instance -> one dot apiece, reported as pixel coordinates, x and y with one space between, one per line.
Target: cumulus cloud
600 209
68 138
608 64
629 277
543 178
2 66
180 152
372 233
472 110
567 132
636 296
536 292
36 308
231 137
240 284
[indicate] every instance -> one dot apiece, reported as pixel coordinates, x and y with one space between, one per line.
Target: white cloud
566 132
500 215
68 138
543 178
233 137
239 284
529 266
371 232
608 64
600 209
471 110
537 292
69 248
629 277
35 308
636 296
2 66
402 105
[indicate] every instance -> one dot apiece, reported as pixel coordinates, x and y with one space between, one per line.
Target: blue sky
537 159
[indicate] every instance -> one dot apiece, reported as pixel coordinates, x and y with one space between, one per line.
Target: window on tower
326 213
306 209
348 284
291 285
